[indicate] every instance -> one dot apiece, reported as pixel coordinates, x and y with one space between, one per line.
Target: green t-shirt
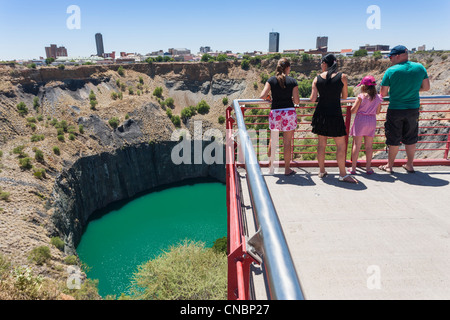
404 81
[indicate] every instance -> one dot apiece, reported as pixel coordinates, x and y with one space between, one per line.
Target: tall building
54 51
99 43
321 42
205 49
274 42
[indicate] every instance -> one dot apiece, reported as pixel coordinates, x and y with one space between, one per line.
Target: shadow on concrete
301 178
421 179
333 180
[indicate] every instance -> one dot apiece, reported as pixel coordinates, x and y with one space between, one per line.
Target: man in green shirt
402 82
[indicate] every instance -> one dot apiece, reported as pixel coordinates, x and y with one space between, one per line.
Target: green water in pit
128 234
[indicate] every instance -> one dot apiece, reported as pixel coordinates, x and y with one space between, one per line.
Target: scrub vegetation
188 271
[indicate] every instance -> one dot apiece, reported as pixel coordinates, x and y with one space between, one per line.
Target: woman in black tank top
331 86
282 117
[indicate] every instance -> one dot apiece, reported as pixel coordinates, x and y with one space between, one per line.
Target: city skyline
142 27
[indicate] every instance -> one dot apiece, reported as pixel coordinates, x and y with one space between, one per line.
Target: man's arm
425 85
384 91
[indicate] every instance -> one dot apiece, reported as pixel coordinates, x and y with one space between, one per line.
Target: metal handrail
282 276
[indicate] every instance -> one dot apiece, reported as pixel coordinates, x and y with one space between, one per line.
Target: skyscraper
321 42
274 42
99 42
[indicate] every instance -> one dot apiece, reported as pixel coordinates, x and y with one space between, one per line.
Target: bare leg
410 153
340 155
273 148
368 141
321 153
287 142
392 155
357 143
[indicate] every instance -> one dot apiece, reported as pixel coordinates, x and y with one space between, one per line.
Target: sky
27 27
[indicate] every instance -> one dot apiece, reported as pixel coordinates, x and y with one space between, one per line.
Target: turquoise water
132 233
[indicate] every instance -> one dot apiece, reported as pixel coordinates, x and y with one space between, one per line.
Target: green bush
22 108
37 137
39 174
220 245
4 195
39 155
25 163
19 150
170 102
187 271
121 71
221 119
57 242
56 151
40 255
71 260
188 112
35 103
158 92
176 121
202 107
245 64
225 101
114 122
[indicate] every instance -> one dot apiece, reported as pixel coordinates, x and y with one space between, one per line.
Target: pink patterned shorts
283 120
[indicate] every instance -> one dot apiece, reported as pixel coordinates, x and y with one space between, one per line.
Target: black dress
328 120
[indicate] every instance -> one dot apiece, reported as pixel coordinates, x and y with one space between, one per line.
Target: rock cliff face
93 182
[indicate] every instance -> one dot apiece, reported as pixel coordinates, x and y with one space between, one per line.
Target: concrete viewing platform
386 238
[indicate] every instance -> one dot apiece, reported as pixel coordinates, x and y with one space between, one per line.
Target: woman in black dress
331 86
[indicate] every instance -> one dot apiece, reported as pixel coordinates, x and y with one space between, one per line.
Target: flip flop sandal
369 172
292 173
348 179
409 171
352 172
323 175
385 169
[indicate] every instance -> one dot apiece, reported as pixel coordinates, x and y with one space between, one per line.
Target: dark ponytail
331 62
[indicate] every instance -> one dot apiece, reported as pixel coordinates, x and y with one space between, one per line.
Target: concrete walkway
387 237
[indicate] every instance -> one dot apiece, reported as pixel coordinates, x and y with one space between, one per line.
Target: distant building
55 52
319 51
373 48
347 52
179 51
321 42
422 48
205 49
294 51
111 55
99 44
274 42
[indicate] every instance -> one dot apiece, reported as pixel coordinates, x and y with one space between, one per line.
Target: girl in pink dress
366 107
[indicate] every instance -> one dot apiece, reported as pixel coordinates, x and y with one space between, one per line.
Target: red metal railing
433 118
239 260
439 121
